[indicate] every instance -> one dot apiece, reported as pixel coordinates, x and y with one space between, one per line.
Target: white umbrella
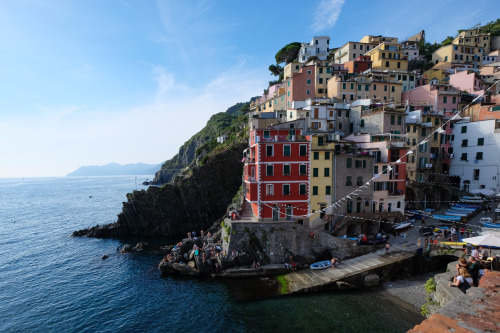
485 240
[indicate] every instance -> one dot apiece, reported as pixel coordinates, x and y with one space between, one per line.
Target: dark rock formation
193 202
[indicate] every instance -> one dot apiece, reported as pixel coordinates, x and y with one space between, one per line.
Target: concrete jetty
308 280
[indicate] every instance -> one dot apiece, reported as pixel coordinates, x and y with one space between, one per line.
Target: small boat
402 226
462 209
475 200
447 217
491 225
321 264
454 213
440 230
465 205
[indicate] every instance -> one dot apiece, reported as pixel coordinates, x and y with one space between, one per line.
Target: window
393 89
328 190
464 143
315 172
266 135
344 86
480 141
475 174
302 189
479 155
454 100
393 119
424 132
269 150
269 189
362 123
287 150
385 87
463 157
352 86
320 140
303 170
309 72
348 181
308 92
269 170
286 189
308 82
445 99
327 155
327 172
359 87
463 129
286 170
436 121
316 155
386 64
303 150
374 87
400 120
349 162
375 170
359 181
315 190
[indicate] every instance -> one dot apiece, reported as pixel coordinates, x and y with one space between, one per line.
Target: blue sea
52 282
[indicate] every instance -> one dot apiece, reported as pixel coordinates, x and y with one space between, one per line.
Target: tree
288 53
275 70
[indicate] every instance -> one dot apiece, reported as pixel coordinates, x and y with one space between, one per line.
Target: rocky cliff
193 202
201 143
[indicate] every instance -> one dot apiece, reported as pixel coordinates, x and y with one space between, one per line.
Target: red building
276 173
358 65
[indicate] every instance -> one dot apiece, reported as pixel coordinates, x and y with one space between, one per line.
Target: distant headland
115 169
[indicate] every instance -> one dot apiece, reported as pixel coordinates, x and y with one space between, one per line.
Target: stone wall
476 311
272 242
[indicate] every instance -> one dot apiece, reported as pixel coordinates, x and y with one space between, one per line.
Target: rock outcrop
194 202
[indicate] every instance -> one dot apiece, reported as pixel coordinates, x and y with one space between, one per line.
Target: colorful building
276 171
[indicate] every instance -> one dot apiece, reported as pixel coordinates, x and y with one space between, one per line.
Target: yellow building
467 48
363 87
291 68
321 175
440 71
388 56
378 39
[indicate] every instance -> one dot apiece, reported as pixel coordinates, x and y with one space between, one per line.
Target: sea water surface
52 282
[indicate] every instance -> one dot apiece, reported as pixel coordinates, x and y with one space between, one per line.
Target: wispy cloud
164 81
326 14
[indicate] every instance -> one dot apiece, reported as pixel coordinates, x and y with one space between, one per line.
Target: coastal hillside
201 143
115 169
193 202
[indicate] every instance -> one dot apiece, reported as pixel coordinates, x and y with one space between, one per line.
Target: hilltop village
359 130
350 138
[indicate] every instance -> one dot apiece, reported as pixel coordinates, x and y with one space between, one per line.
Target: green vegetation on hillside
202 144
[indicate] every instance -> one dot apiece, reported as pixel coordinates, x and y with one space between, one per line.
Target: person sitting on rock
463 280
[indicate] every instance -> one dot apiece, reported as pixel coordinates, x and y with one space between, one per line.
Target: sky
128 81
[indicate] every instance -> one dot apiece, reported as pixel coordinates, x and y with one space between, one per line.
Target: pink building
435 97
301 86
467 81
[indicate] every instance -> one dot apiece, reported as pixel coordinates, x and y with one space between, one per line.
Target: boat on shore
321 264
447 218
455 213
